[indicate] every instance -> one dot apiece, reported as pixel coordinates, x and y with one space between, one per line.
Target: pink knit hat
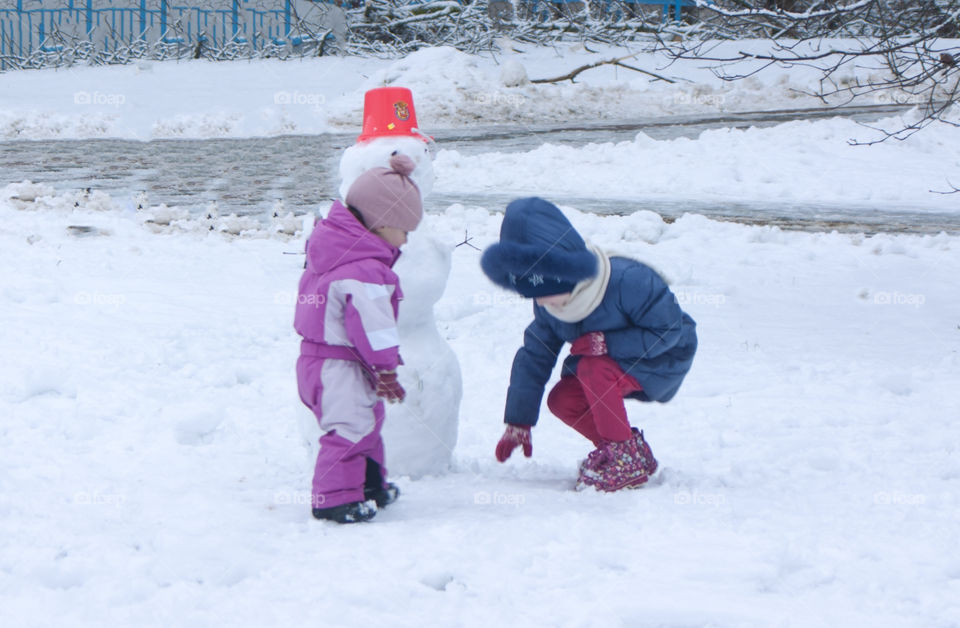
388 197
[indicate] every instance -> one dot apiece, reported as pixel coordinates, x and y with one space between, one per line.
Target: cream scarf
587 294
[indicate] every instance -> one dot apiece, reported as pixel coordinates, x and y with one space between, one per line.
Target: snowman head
376 153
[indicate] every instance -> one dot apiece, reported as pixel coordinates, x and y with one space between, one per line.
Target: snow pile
513 74
203 99
25 193
151 467
809 161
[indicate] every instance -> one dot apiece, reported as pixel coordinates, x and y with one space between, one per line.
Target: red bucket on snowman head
388 112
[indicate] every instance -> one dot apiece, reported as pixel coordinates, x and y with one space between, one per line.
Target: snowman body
421 433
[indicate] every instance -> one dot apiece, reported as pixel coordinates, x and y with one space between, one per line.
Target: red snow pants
592 401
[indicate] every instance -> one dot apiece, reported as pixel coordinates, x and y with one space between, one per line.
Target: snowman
420 433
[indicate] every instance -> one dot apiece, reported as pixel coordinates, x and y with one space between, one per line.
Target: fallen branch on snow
616 62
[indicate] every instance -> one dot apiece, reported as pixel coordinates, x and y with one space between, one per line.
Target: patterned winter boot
594 460
650 463
623 466
591 467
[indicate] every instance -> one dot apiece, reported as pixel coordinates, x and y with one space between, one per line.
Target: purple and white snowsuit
347 315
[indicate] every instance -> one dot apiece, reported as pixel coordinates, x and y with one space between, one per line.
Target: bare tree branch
570 76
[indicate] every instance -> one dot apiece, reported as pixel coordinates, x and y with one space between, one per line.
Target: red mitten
513 437
388 387
593 343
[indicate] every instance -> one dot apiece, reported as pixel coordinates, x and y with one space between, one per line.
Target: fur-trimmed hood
539 252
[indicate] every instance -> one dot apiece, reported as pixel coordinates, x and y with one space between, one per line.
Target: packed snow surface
152 468
152 472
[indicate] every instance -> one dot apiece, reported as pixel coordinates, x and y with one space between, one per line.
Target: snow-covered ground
152 472
202 99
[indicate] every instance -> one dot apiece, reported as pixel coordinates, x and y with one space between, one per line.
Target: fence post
89 17
286 19
236 18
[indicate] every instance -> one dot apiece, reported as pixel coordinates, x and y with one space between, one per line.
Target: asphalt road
248 176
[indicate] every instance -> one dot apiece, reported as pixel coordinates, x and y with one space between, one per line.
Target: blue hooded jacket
647 334
540 253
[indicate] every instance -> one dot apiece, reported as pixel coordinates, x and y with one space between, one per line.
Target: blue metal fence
25 31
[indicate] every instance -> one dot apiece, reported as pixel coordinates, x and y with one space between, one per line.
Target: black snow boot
383 493
382 496
353 512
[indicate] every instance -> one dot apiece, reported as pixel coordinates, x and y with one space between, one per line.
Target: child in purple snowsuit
347 315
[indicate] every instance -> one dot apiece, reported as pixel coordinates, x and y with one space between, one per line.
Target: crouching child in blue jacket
629 339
